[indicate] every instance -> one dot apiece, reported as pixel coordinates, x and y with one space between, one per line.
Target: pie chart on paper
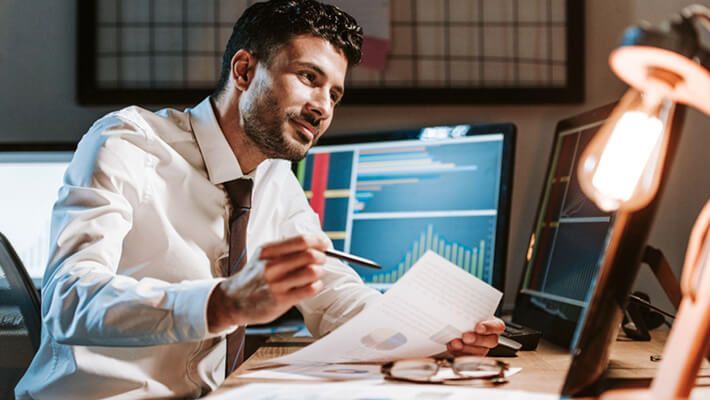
383 339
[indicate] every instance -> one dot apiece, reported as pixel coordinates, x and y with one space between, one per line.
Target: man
147 274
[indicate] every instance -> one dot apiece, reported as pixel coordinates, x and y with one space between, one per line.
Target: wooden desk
543 371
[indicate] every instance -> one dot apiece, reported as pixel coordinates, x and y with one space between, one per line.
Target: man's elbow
65 313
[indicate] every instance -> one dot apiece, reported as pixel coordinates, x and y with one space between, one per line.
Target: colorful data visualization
393 201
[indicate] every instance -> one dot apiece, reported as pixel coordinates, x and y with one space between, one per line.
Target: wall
37 63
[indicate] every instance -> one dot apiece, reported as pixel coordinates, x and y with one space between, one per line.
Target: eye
309 76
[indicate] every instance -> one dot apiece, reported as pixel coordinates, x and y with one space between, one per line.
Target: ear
243 64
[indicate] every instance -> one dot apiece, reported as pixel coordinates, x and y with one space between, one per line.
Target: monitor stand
658 263
637 313
638 389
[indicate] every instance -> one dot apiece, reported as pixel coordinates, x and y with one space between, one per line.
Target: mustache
312 120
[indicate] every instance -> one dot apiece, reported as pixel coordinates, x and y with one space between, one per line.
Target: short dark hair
264 27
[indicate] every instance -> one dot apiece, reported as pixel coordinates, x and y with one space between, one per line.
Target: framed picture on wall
437 52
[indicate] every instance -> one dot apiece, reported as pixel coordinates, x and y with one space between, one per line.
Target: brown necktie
239 191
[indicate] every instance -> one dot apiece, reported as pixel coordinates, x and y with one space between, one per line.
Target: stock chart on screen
392 201
570 232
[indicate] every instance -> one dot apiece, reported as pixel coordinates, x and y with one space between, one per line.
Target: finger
469 350
490 326
297 278
278 268
292 245
489 341
455 345
295 295
469 337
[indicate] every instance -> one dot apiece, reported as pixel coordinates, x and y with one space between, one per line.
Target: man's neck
227 112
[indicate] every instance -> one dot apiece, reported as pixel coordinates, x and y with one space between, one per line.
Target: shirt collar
221 163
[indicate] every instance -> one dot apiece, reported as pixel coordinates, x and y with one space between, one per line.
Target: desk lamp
622 167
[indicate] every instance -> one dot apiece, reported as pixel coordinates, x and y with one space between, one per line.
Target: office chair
20 319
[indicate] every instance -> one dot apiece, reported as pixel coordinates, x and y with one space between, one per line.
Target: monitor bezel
508 130
42 147
554 329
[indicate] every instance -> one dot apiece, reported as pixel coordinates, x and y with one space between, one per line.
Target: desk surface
543 371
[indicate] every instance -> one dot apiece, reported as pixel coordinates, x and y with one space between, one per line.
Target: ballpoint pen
351 258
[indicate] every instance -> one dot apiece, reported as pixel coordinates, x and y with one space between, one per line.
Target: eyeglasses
461 369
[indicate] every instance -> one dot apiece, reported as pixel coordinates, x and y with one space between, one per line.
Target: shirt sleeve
85 302
344 294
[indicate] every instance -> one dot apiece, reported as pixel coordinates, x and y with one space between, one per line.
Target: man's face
289 104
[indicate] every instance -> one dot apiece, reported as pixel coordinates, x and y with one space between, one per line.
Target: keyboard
11 320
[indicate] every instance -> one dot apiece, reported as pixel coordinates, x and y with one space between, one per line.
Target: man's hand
477 342
279 276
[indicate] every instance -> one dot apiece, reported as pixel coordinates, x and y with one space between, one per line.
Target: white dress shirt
139 235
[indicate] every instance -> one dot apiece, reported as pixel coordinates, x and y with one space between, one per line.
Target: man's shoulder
279 176
134 121
277 172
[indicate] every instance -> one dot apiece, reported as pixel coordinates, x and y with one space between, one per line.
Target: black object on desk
527 337
514 338
505 348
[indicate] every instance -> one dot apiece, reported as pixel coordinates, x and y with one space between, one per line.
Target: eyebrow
337 88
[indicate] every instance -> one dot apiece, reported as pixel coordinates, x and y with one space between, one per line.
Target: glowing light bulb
621 166
631 144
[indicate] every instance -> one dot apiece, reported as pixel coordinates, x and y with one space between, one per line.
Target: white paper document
362 390
433 303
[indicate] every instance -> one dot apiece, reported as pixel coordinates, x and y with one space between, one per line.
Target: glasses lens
476 367
414 369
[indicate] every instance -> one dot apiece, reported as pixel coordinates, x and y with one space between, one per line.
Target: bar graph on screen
420 178
468 259
391 201
396 243
326 178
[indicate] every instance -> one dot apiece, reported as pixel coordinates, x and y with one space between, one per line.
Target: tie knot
239 191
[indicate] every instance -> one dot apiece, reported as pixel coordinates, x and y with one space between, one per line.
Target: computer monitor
567 239
30 178
391 196
608 295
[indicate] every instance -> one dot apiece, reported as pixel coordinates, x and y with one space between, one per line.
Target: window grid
496 47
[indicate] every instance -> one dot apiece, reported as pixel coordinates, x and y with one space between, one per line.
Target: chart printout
433 303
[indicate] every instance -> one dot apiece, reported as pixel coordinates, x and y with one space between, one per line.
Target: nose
320 104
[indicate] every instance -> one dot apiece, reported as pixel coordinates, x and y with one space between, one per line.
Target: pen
351 258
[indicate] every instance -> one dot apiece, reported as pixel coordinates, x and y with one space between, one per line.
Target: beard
263 125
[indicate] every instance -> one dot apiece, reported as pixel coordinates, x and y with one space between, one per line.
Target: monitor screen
567 240
607 296
30 177
392 196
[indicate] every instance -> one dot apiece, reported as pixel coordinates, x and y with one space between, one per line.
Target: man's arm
280 275
84 301
344 294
